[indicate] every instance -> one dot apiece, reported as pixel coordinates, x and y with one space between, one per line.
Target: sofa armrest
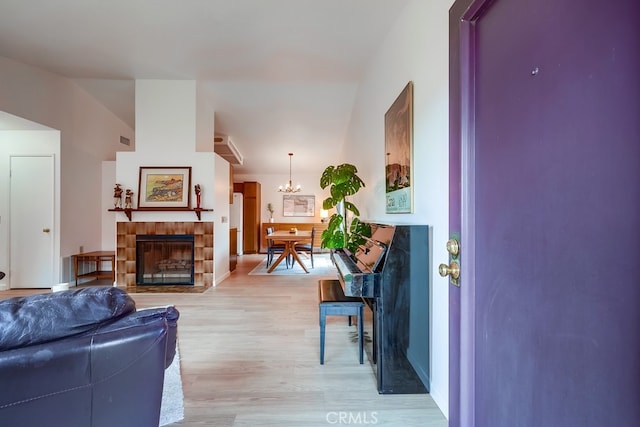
150 315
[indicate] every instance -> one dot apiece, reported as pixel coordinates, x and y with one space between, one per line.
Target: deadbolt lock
453 247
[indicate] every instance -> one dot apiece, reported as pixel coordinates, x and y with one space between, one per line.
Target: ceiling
281 75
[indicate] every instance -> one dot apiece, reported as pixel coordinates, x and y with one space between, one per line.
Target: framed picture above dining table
295 205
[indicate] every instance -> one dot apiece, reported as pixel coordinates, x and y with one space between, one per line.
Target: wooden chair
274 248
333 302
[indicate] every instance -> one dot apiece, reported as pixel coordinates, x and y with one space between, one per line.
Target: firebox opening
164 259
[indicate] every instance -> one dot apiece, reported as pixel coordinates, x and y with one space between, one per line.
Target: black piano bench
333 302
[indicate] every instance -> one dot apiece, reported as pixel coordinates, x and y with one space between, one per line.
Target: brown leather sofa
83 357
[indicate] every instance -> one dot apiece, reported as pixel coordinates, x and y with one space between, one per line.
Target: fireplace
164 259
126 259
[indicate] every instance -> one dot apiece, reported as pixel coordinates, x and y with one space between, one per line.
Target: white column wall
166 120
166 116
221 215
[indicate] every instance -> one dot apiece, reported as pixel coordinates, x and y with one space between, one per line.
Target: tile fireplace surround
126 248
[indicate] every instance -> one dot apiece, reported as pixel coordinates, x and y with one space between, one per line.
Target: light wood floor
249 351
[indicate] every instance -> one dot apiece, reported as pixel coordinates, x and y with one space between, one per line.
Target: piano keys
357 274
391 273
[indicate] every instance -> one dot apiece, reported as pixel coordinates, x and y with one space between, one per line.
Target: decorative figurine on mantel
117 197
198 192
128 195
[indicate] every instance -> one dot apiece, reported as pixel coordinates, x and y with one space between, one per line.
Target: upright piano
391 274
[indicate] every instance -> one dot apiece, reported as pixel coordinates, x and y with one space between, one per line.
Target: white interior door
32 221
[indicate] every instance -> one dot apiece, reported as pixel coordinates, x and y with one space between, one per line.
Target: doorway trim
462 351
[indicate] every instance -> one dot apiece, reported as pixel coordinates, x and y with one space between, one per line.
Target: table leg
293 252
75 268
113 269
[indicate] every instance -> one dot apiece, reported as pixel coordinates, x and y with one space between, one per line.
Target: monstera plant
343 181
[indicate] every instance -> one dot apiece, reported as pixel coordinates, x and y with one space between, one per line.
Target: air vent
223 146
125 141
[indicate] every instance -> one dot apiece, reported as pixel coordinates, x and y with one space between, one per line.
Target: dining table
290 239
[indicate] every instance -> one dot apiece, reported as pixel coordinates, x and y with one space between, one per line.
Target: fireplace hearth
164 259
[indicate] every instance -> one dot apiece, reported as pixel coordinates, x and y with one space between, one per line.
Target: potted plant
343 181
270 209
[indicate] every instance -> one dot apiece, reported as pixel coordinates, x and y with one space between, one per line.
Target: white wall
269 184
416 49
166 115
89 134
205 114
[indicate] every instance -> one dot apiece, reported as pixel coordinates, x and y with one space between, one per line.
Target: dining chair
307 247
274 248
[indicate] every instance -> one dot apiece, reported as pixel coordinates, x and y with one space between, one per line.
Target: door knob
452 270
453 247
45 230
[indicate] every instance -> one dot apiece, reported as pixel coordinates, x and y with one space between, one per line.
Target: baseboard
221 279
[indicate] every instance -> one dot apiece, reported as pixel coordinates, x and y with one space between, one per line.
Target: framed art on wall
398 141
298 205
164 187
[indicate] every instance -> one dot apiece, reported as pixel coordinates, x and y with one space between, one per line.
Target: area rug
322 267
172 409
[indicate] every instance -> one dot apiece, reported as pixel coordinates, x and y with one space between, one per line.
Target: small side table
97 257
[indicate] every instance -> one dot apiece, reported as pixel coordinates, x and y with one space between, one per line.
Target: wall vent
125 141
223 146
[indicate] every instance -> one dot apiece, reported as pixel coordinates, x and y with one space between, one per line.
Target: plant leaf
350 206
328 203
327 177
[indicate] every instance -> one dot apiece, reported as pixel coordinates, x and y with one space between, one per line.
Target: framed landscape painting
398 140
164 187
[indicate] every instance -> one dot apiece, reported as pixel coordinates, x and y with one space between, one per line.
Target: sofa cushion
41 318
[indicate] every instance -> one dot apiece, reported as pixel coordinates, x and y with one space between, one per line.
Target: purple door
545 193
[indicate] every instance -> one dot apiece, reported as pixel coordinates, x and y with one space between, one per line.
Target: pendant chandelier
289 188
